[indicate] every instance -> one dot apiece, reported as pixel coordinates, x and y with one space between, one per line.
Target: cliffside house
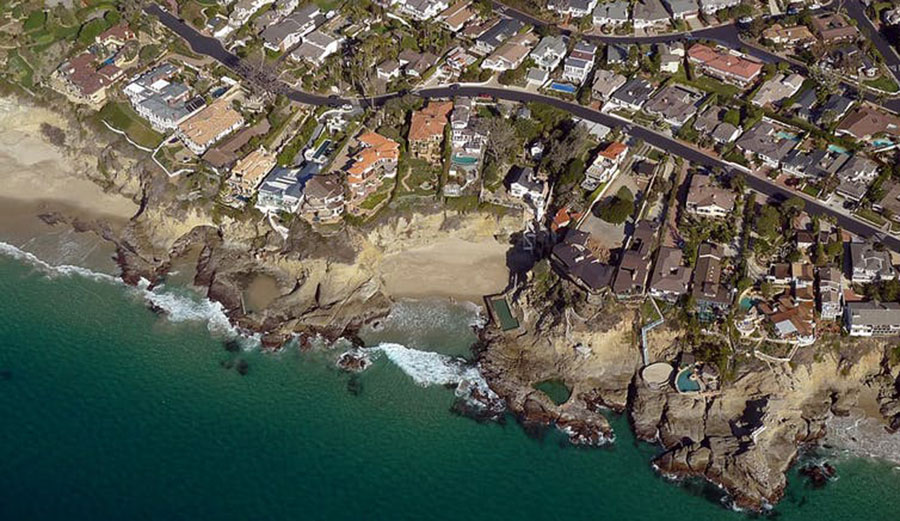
426 130
671 278
574 257
290 31
872 318
248 173
207 126
634 263
282 189
160 100
831 293
323 199
374 161
710 294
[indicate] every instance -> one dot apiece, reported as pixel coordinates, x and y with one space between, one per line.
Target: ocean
111 411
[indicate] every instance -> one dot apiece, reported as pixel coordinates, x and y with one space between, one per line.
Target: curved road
211 47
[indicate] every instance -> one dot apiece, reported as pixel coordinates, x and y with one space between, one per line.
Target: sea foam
427 368
177 307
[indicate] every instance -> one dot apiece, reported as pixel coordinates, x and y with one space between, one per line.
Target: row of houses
642 13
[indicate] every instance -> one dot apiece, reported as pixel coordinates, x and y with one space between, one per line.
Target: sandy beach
37 178
450 268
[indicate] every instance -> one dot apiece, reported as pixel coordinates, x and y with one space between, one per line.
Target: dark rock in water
819 474
272 341
354 385
5 374
232 346
479 406
585 431
354 361
242 367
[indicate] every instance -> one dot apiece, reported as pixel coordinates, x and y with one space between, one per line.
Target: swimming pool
563 87
836 149
464 160
879 143
684 383
787 135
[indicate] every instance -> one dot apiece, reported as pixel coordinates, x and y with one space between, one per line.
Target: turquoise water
684 383
563 87
556 390
787 135
465 160
111 412
837 149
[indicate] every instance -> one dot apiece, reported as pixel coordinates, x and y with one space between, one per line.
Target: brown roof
864 122
725 62
206 125
429 122
703 192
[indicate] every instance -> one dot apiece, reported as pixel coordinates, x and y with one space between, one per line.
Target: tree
767 289
768 222
617 209
820 258
502 144
733 117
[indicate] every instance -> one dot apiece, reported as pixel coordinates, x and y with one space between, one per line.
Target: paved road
524 17
211 47
857 11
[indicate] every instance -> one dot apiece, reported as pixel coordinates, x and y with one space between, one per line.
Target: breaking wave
427 368
176 307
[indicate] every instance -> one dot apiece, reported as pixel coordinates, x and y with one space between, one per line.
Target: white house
549 52
579 63
611 13
872 318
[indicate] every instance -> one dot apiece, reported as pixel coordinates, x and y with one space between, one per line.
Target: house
796 36
770 143
855 176
457 16
575 258
710 122
674 104
162 102
388 70
835 107
316 46
323 199
631 96
779 274
616 55
670 279
579 63
416 64
549 52
426 130
709 292
422 10
865 122
536 77
780 87
634 263
249 172
816 164
649 13
244 9
724 65
573 8
605 83
287 33
524 184
209 125
282 189
458 59
803 104
891 16
670 63
682 9
831 293
511 53
611 14
84 79
713 6
496 35
705 199
116 36
725 133
375 161
605 165
872 318
869 264
833 28
793 320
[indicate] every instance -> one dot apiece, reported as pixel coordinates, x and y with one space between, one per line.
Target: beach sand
37 178
449 268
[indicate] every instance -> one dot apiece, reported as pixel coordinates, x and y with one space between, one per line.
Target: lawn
122 117
22 72
869 215
708 84
811 190
883 83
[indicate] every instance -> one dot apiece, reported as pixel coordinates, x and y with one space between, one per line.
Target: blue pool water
837 149
787 135
882 142
563 87
684 383
464 160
